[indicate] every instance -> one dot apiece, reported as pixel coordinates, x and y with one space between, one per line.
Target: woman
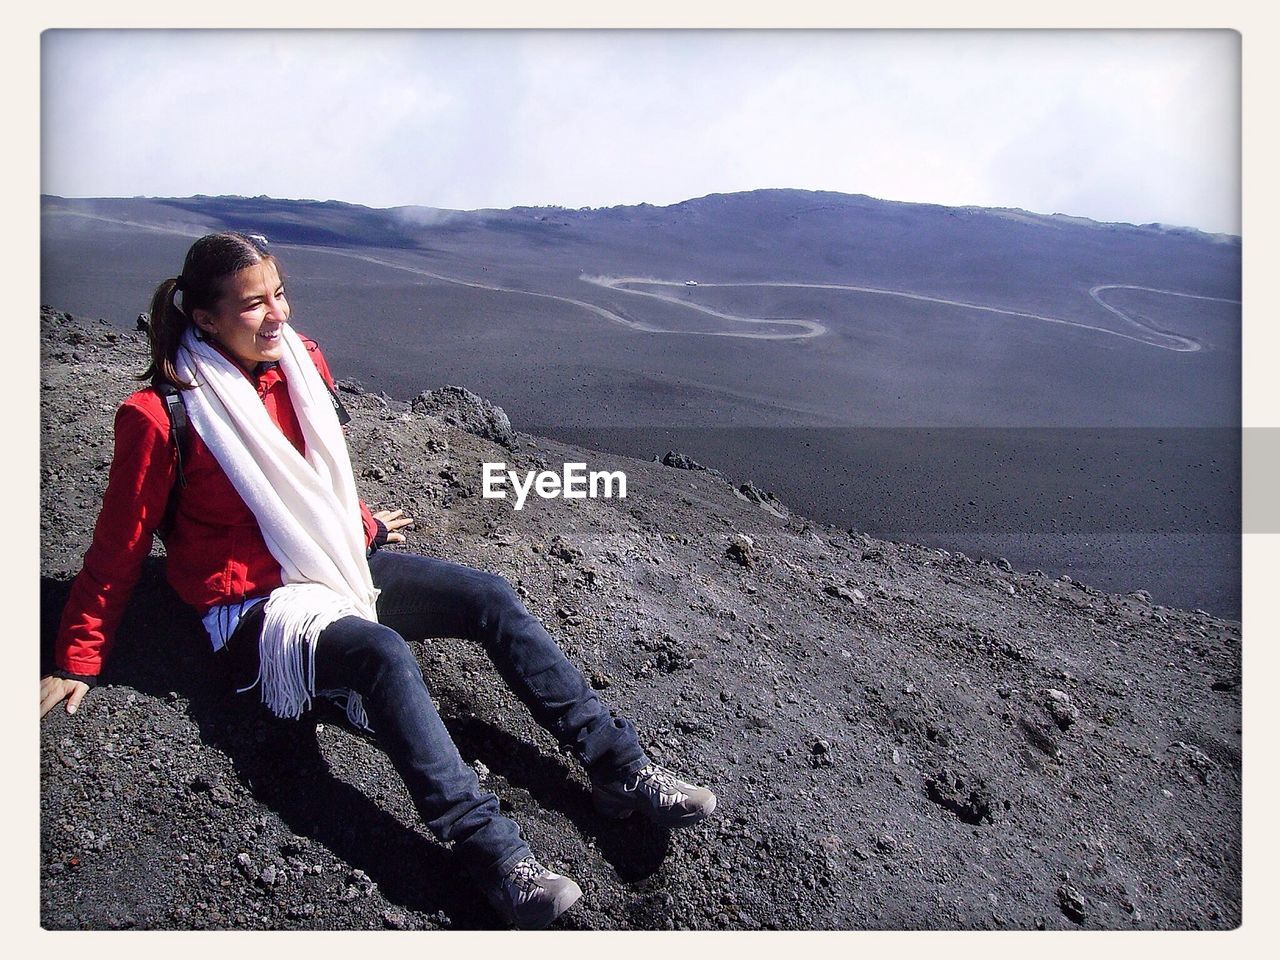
266 537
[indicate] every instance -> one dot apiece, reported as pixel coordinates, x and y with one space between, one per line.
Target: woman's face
249 318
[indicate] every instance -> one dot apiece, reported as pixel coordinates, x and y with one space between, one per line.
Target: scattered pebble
1072 903
741 549
1061 709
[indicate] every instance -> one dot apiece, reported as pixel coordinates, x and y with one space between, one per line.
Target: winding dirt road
1147 334
1187 343
1144 332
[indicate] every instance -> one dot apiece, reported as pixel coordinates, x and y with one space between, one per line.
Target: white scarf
306 507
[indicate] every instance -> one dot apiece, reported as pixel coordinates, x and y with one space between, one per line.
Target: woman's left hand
394 521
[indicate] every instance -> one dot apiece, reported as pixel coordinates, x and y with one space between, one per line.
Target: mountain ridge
1057 218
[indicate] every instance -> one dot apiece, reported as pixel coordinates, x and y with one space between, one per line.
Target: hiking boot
658 794
529 896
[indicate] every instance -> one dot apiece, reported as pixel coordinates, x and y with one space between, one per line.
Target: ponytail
168 324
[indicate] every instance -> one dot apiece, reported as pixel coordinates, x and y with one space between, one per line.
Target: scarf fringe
355 712
352 705
295 616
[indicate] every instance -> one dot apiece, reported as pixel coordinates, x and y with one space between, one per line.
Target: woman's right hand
53 690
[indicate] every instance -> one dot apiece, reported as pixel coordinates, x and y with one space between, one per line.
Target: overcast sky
1133 126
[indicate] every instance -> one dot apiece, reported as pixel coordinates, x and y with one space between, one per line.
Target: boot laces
660 782
524 878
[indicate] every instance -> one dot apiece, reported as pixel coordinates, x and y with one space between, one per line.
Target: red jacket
215 551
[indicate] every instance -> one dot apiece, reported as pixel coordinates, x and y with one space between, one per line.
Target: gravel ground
900 737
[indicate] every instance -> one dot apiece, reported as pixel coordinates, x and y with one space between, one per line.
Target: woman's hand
394 520
53 690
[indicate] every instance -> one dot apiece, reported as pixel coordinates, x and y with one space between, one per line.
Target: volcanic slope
830 331
900 737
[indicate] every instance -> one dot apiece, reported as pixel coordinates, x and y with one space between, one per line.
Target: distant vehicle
259 238
691 283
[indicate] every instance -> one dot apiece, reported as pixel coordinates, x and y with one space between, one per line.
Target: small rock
1071 902
1061 709
563 550
837 590
820 754
750 491
1195 758
741 549
968 797
222 796
681 462
200 783
268 876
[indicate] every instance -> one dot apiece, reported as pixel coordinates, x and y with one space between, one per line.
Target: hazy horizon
639 203
1117 126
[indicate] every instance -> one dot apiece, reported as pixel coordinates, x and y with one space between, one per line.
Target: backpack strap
343 417
178 434
177 424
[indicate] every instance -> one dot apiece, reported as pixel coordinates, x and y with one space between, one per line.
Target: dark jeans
426 597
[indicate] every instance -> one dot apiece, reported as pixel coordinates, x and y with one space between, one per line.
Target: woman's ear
204 321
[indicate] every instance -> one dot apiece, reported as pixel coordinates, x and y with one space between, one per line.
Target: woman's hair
209 262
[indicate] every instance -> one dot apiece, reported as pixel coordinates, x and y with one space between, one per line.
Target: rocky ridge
900 737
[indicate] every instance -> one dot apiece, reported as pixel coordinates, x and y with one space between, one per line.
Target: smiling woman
266 537
248 319
233 292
